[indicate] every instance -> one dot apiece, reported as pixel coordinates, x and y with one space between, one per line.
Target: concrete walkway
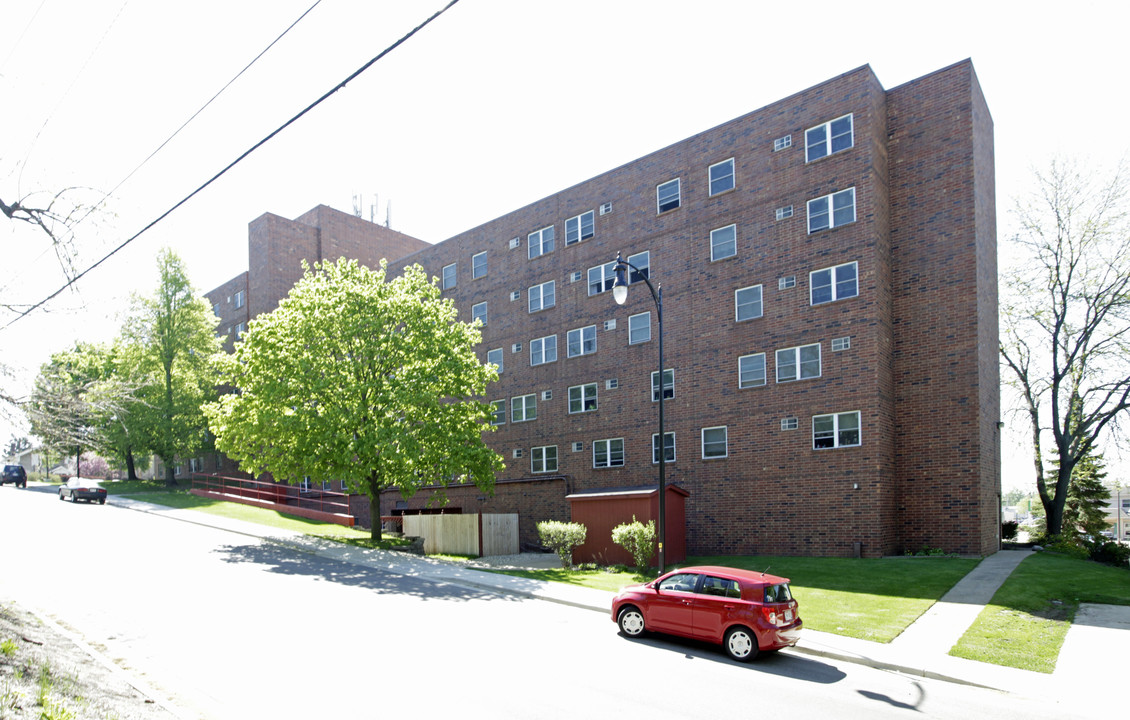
1098 635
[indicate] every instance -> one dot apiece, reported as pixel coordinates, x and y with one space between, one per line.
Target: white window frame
609 452
585 396
748 302
784 213
239 299
790 423
824 207
744 371
544 348
836 433
479 265
540 242
668 388
495 356
642 261
536 296
822 135
633 330
583 339
446 282
725 443
798 363
497 409
718 243
580 228
838 289
523 408
724 177
540 457
667 446
479 312
674 199
605 276
841 344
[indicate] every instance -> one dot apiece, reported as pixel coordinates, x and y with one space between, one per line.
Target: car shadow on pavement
289 561
782 664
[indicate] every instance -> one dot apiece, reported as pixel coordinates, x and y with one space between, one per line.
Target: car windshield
778 593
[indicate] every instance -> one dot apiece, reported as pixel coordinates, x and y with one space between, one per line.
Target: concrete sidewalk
921 650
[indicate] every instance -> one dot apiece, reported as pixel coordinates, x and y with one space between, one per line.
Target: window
798 363
498 412
639 267
240 328
787 282
832 210
610 324
216 309
479 312
606 208
495 356
540 242
478 265
582 398
840 344
639 328
515 243
543 350
668 448
723 242
833 431
785 212
831 137
575 276
714 443
581 341
580 228
782 142
668 385
546 394
516 295
239 298
523 408
721 176
601 278
448 277
611 384
751 370
516 348
834 283
542 296
747 303
790 423
543 459
578 446
608 453
668 196
516 453
306 485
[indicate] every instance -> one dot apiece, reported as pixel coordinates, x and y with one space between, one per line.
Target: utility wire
232 164
93 208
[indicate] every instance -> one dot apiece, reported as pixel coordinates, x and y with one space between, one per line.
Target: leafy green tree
71 400
360 378
16 445
638 539
562 538
169 346
1065 320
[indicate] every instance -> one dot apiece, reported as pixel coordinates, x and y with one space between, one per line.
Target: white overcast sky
496 104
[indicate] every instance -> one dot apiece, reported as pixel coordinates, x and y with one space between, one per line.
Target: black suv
14 474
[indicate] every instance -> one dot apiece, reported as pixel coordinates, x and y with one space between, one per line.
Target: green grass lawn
1025 623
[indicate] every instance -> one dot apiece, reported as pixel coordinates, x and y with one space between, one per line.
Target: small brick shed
601 510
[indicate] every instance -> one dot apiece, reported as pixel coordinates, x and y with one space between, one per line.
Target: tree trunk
374 509
170 477
131 470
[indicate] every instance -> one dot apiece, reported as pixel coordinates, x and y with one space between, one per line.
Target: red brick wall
224 299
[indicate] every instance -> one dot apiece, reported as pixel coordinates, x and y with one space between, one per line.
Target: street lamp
620 295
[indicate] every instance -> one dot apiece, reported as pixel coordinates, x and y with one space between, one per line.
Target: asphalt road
225 626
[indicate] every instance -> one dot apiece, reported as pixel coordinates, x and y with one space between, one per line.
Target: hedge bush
562 537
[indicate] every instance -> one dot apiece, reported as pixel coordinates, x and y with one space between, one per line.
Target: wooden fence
471 534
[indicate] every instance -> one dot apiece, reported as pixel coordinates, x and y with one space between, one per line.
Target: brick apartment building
828 266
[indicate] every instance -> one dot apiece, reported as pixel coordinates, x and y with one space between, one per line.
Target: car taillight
779 615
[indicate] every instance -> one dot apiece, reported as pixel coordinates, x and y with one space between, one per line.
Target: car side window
720 587
680 582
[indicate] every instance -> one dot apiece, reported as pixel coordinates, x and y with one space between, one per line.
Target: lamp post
620 295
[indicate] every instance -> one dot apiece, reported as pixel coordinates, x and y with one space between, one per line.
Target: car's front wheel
61 495
631 622
740 644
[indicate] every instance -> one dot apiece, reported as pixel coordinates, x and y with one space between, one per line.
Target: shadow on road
785 665
275 558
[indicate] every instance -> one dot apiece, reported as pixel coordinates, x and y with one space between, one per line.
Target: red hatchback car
741 610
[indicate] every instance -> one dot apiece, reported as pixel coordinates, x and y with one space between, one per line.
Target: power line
232 164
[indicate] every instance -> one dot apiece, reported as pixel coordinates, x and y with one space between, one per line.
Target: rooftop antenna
373 208
356 205
388 215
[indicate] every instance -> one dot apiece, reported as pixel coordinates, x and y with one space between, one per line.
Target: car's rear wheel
740 644
61 495
631 622
102 501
